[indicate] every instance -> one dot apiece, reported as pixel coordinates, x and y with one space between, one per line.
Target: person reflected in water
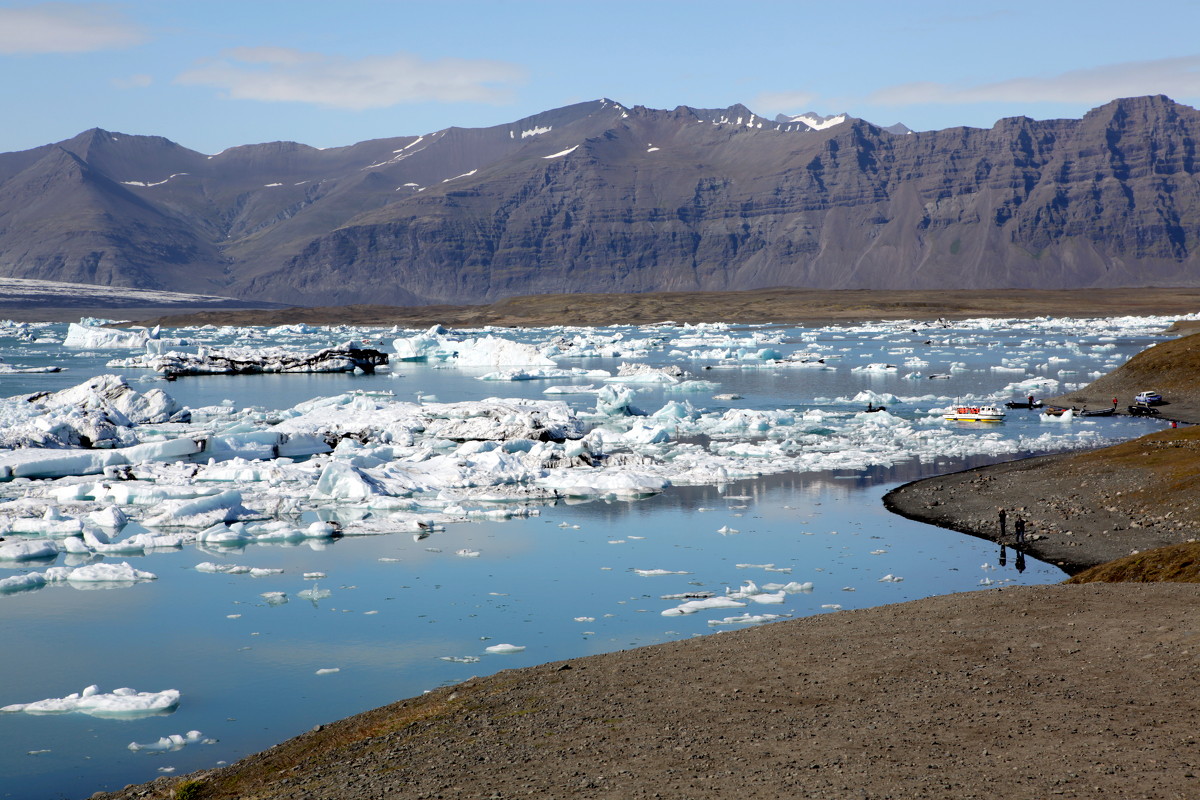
1020 564
1003 555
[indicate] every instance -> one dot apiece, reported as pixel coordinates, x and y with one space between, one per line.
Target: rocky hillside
598 197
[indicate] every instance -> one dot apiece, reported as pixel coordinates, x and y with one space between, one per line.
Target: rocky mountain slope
598 197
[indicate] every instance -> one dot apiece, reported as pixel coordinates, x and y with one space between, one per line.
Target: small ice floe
120 703
748 619
169 744
274 598
328 670
460 659
585 619
316 576
505 649
703 604
889 578
647 573
725 530
831 606
878 552
791 587
849 589
314 593
99 574
237 569
467 553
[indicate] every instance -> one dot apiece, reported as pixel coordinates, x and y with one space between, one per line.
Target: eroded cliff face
601 198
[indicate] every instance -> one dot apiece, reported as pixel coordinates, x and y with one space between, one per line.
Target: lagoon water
398 613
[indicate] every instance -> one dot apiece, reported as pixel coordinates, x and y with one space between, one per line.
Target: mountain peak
813 120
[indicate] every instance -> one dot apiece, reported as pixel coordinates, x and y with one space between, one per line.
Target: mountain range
602 197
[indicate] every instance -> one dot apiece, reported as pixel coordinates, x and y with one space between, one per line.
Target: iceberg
122 703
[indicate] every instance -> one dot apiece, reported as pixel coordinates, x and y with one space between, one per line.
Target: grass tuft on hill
1177 563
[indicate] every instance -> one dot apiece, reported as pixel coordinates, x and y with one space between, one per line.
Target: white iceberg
123 703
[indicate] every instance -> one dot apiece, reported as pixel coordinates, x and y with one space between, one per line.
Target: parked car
1150 397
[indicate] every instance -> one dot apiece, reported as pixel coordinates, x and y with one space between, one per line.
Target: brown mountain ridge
599 197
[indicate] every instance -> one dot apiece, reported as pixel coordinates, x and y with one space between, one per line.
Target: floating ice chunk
328 670
124 703
110 573
89 337
341 481
504 649
653 572
22 583
112 518
616 401
169 744
603 483
791 587
747 619
889 578
28 550
274 598
314 593
460 659
201 512
703 604
467 553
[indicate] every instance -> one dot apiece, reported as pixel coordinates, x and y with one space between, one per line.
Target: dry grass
1179 563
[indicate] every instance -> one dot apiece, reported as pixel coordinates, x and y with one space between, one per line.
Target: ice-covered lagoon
738 486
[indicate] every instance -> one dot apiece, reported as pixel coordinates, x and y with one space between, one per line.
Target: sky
215 74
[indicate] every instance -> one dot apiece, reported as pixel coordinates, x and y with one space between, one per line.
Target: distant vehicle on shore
1149 397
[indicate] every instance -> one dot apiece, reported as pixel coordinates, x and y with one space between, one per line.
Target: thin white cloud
1177 77
139 81
783 102
65 28
277 74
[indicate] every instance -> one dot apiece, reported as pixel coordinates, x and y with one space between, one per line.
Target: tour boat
976 414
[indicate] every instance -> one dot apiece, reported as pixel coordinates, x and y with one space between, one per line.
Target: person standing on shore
1019 528
1003 517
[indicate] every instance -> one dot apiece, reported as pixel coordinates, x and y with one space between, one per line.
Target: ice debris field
252 458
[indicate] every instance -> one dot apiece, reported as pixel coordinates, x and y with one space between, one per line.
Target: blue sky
214 74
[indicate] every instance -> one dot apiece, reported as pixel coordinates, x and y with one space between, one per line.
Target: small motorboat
975 414
1023 404
1096 412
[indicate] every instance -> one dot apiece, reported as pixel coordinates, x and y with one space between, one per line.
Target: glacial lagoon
435 544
